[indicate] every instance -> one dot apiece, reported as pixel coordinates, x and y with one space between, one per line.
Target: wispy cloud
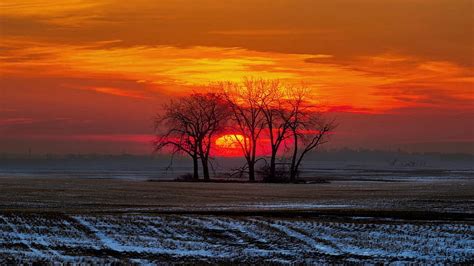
119 92
62 12
380 82
16 121
268 32
130 138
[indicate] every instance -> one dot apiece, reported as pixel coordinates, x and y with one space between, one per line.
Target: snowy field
140 238
102 221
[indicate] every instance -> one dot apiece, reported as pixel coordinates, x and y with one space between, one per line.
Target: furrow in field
21 237
215 239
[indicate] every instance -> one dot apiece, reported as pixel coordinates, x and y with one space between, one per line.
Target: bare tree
188 126
278 116
308 127
245 100
213 113
175 132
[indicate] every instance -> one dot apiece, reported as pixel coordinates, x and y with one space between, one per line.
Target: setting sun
229 141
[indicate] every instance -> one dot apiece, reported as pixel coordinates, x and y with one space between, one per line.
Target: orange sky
87 76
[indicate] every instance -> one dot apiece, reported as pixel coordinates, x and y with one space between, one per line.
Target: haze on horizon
87 76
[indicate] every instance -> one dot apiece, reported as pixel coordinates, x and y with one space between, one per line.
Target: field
204 238
82 220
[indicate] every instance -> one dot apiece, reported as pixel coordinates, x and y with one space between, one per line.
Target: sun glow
230 141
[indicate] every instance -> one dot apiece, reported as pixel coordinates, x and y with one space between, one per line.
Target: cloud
19 121
348 109
379 83
268 32
118 92
16 121
287 26
130 138
62 12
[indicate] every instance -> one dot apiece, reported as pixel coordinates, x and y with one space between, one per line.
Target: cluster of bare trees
250 110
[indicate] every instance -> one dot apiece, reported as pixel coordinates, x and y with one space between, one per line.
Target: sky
88 76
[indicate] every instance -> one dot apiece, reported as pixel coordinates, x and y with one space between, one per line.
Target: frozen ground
386 174
388 166
100 221
138 238
86 195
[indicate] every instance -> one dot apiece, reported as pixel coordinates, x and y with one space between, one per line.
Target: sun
229 141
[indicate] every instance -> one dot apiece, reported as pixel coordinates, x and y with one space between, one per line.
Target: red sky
84 76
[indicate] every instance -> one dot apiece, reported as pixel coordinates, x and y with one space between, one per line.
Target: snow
23 238
208 238
298 206
310 241
106 241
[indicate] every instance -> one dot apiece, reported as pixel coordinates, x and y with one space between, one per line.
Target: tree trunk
195 168
251 162
251 171
293 170
205 169
272 167
297 167
271 176
204 160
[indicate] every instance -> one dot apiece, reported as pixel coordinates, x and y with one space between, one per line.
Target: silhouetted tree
213 113
278 116
309 129
188 126
244 100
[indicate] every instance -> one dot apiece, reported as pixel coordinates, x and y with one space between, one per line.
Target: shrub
186 177
282 173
